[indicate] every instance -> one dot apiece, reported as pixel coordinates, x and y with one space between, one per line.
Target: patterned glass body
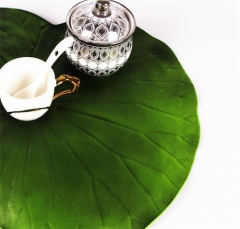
99 60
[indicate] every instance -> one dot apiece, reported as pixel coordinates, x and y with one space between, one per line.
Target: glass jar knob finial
102 8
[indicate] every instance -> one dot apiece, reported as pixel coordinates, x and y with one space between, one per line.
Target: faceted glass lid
100 22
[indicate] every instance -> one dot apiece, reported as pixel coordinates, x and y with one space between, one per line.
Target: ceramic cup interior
16 75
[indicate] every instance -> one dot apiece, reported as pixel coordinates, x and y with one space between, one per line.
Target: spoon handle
59 49
31 90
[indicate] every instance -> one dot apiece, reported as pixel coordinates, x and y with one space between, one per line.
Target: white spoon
31 90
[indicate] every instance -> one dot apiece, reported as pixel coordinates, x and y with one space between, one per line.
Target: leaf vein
30 217
97 202
23 26
167 114
104 120
172 134
115 153
169 154
19 212
100 182
122 156
161 172
139 183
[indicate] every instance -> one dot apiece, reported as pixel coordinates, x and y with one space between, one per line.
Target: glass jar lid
100 22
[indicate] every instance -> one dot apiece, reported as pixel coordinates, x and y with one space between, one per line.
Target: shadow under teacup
18 74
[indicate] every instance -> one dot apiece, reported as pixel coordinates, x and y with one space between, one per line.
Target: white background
205 36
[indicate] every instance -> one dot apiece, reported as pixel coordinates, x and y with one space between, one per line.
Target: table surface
205 36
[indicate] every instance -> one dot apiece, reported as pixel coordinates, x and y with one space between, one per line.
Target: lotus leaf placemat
112 155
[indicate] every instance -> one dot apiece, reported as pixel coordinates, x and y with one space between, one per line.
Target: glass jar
102 32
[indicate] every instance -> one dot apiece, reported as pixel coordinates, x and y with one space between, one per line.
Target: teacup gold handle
62 78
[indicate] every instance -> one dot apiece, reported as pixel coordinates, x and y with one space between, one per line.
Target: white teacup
19 73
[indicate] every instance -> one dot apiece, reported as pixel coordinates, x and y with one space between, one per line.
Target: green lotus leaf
112 155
